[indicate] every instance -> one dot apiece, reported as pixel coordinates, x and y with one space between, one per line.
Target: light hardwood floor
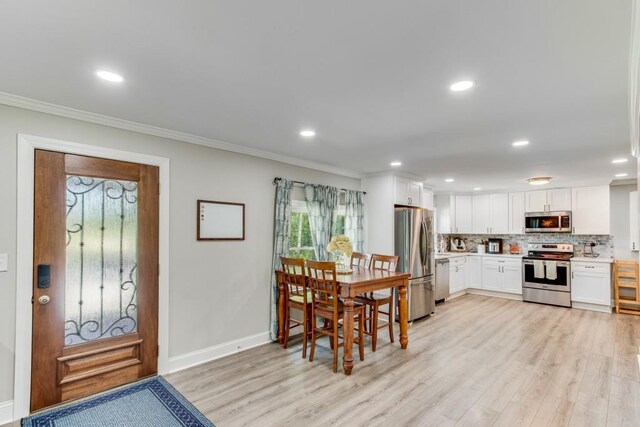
478 361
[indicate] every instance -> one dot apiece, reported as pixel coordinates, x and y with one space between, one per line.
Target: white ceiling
371 77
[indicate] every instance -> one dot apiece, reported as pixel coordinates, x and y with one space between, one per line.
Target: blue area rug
152 402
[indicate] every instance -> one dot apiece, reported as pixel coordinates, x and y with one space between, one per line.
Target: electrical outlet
4 262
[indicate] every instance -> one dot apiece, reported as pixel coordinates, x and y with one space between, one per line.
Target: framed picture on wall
220 220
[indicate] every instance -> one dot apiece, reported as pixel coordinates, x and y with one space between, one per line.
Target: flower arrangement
340 244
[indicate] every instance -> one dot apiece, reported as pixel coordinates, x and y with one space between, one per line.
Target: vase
342 261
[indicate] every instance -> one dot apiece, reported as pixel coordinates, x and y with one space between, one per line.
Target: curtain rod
277 178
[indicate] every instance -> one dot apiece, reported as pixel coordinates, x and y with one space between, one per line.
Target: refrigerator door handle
423 245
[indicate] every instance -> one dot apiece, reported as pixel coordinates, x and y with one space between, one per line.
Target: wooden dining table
361 281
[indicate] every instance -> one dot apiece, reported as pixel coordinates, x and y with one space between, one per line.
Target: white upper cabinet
516 213
408 193
536 201
590 212
491 214
481 213
634 238
557 199
499 214
446 206
463 214
454 214
427 199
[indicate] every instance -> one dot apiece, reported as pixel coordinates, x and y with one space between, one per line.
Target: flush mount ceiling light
109 76
621 175
621 160
477 189
539 180
462 85
396 163
520 143
449 180
308 133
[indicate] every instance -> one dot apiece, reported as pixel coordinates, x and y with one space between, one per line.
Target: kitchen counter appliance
547 222
415 250
546 274
495 246
442 279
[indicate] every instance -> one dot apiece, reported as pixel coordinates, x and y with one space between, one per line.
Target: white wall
619 201
219 291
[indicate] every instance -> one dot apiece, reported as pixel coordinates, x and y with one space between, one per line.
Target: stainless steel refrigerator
414 247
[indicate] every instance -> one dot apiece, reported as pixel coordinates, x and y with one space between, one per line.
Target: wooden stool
625 276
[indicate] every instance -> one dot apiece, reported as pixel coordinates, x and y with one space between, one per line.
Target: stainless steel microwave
548 222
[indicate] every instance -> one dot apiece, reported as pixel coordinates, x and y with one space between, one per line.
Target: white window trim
27 144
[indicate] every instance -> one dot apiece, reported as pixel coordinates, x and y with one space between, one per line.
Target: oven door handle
558 263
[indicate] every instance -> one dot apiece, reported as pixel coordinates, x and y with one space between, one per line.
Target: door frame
27 144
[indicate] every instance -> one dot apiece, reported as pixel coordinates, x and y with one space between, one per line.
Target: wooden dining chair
298 297
375 300
327 305
359 259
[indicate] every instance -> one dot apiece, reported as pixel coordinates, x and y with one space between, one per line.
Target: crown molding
85 116
401 174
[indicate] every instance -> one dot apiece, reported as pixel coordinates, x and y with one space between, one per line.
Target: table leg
403 314
347 361
281 310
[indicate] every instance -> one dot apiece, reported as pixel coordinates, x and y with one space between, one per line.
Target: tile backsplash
604 244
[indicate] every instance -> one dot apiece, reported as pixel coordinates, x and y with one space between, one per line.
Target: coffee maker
495 246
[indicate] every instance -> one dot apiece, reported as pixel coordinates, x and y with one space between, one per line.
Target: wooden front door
95 287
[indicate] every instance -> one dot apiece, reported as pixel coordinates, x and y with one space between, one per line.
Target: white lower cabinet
591 283
491 274
474 272
503 275
512 277
457 274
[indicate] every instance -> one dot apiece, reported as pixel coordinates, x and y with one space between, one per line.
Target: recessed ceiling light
308 133
109 76
477 189
520 143
449 180
621 175
462 85
539 180
396 163
622 160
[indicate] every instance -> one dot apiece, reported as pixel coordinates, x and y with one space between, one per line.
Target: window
300 243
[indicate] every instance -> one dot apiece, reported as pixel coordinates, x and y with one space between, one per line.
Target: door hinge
32 299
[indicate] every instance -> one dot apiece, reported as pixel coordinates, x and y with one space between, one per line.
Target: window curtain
354 218
322 202
634 81
281 237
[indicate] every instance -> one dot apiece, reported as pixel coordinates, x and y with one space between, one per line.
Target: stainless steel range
546 274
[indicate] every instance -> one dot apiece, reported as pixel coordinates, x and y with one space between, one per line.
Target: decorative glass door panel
101 258
95 277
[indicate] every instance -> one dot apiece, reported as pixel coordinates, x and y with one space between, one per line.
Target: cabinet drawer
501 260
591 267
457 261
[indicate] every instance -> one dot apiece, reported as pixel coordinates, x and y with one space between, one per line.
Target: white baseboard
188 360
456 295
484 292
591 307
6 412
